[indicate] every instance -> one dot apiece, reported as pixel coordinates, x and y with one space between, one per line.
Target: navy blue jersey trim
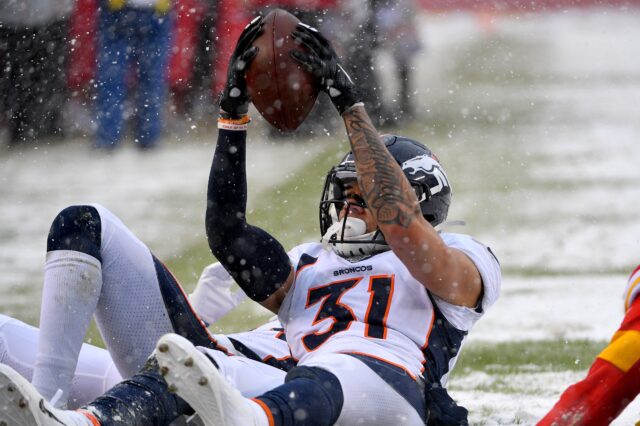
281 364
77 228
305 260
444 344
184 320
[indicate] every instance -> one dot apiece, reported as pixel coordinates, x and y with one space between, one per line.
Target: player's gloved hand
322 61
234 99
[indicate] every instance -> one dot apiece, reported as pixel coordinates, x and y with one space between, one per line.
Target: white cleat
22 405
193 377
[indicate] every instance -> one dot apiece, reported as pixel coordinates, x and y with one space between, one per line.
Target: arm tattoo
384 186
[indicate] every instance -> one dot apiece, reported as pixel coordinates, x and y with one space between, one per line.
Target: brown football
281 90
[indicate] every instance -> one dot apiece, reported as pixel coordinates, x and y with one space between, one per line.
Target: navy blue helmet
425 174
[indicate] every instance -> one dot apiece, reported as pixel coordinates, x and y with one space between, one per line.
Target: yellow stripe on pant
624 349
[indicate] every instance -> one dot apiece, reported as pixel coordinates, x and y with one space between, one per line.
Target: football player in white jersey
360 307
382 301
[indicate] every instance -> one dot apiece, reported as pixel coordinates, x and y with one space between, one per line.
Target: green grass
527 356
511 368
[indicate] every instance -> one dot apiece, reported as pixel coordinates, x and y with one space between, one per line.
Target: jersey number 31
380 293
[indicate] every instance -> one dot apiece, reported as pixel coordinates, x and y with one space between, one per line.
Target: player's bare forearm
384 187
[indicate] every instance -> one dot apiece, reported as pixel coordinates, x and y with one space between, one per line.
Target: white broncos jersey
373 306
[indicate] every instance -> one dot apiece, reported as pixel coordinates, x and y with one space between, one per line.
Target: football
280 89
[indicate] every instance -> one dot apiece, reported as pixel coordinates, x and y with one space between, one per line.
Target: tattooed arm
444 271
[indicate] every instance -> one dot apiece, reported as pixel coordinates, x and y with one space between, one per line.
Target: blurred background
533 108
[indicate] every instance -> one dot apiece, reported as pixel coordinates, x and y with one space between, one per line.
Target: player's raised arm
255 259
384 188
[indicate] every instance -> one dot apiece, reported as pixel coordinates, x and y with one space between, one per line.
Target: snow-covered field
557 98
536 118
161 195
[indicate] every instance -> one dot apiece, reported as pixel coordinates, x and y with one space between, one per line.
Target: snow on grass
563 307
522 398
160 195
535 119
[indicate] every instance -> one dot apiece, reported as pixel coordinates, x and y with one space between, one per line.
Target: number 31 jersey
373 306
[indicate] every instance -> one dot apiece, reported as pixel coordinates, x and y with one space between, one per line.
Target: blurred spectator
382 24
613 380
79 117
33 48
132 32
360 57
82 32
396 29
190 63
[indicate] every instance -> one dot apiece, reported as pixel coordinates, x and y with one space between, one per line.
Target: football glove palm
322 61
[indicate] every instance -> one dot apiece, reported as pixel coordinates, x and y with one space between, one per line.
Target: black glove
234 100
442 409
322 61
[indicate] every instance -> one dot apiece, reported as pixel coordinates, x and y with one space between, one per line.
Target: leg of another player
143 400
194 377
94 374
96 265
153 54
112 65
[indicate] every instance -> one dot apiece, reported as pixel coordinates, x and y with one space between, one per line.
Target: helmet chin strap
361 243
353 227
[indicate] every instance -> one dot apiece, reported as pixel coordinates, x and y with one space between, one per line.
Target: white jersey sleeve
632 291
212 298
462 317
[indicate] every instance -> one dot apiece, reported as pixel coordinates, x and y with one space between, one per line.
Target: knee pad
325 380
76 228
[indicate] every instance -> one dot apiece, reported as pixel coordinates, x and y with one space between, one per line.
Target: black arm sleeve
255 260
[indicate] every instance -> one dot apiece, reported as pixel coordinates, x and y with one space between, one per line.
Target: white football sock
72 285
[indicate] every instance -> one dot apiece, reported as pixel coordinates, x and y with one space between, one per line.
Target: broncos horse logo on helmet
425 174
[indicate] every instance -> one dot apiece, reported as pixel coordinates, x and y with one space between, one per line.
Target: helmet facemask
348 237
